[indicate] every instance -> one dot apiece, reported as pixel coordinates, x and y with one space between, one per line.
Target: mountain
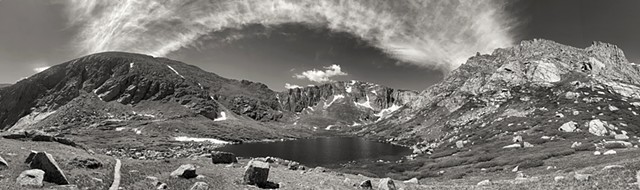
539 85
343 104
4 85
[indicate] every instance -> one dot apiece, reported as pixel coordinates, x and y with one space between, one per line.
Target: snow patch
335 97
175 71
366 104
192 139
387 112
223 116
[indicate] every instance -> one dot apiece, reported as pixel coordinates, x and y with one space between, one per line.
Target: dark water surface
324 151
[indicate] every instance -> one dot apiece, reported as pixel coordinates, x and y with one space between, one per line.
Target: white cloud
291 86
437 34
321 76
40 69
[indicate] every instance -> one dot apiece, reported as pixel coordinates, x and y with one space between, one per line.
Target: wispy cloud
291 86
437 34
321 76
40 69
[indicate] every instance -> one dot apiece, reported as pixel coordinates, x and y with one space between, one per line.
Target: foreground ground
138 174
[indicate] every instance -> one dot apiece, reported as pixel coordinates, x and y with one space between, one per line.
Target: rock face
31 178
257 173
219 157
45 162
186 171
387 184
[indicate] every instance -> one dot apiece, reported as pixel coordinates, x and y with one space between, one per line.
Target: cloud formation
321 76
439 34
291 86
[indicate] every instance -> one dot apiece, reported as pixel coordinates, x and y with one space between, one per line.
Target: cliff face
526 82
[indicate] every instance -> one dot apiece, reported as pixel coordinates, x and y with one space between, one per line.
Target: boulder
527 145
597 127
558 178
293 165
386 184
20 134
200 186
46 163
484 182
576 144
412 181
609 152
65 141
257 173
623 143
459 144
571 95
582 177
161 185
3 163
568 127
219 157
366 184
597 153
31 178
41 136
517 139
30 157
319 169
610 167
186 171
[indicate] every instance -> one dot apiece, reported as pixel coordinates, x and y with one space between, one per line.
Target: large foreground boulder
45 162
257 173
186 171
31 178
219 157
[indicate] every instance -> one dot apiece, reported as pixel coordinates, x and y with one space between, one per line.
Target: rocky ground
87 170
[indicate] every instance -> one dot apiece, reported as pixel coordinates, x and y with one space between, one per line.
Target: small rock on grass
386 184
31 178
558 178
412 181
186 171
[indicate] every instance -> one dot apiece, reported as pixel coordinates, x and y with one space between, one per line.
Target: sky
406 44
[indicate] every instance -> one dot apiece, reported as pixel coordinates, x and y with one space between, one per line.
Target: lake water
323 151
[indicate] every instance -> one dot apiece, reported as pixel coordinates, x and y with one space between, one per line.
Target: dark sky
35 33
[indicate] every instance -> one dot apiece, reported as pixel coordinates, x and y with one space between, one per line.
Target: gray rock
412 181
610 167
582 177
558 178
319 169
161 185
186 171
30 157
31 178
597 127
46 163
366 185
568 127
484 182
200 186
257 173
90 163
219 157
386 184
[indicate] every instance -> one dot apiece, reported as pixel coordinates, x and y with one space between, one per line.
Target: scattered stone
559 115
161 185
613 108
200 186
366 184
576 112
186 171
576 144
545 137
582 177
412 181
621 137
613 167
623 143
571 95
46 163
527 145
319 169
459 144
31 178
558 178
517 139
596 127
517 145
219 157
516 168
293 165
609 152
484 182
257 173
597 153
90 163
386 184
568 127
